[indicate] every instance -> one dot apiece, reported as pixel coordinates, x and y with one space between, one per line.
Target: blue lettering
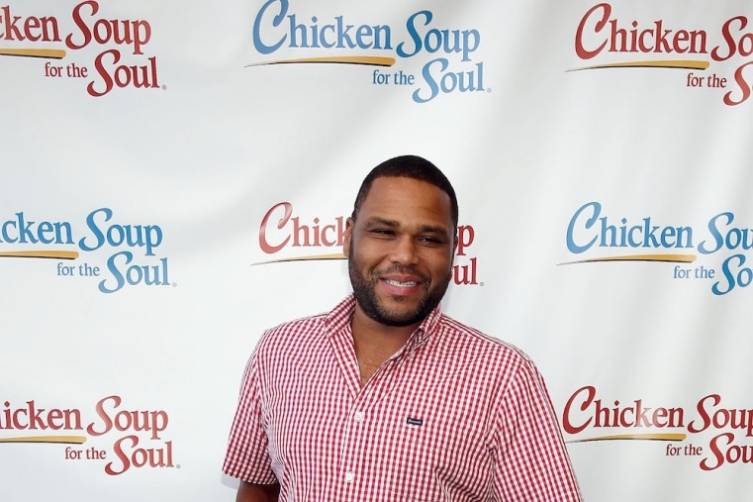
24 230
716 234
325 43
362 36
115 272
152 238
43 228
97 233
122 274
343 35
467 48
276 21
147 236
430 81
465 41
743 278
6 236
415 37
572 246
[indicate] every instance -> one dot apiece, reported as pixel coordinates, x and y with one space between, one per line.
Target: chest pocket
433 457
416 463
438 451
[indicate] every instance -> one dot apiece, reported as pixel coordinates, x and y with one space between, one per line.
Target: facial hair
364 290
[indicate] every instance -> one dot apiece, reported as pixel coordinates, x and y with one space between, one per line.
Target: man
385 398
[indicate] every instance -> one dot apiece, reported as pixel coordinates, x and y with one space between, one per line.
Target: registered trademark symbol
177 466
164 87
174 284
480 283
488 89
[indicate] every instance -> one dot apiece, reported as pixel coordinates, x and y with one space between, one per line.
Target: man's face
400 250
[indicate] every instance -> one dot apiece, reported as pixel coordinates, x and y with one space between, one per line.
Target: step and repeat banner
177 175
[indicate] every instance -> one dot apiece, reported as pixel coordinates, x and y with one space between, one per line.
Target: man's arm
248 492
247 455
531 461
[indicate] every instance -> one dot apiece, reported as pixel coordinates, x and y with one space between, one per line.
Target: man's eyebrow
434 230
423 229
431 229
375 220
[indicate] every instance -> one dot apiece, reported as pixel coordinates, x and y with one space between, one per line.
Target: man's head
400 240
409 166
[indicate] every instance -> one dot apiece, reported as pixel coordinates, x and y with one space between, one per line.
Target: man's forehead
403 193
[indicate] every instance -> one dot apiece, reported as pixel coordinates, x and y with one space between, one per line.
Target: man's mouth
401 285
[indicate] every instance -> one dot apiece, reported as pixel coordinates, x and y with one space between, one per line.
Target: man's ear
347 236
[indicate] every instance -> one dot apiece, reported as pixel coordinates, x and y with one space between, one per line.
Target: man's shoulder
291 333
458 333
483 358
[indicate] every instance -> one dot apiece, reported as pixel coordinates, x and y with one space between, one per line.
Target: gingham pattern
453 416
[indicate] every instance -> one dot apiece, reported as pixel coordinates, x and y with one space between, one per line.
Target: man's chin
404 316
399 321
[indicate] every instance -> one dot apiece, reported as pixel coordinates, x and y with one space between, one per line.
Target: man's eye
381 231
431 240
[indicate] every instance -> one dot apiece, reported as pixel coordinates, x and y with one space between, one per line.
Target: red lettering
742 84
17 422
728 39
680 36
106 421
142 33
83 28
11 30
263 229
567 424
325 240
623 417
125 461
701 407
138 457
716 450
466 235
642 41
661 43
580 49
102 72
134 33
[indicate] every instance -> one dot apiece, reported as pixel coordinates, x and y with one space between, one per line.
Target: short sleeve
247 457
530 458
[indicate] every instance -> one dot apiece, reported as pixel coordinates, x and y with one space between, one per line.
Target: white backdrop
188 166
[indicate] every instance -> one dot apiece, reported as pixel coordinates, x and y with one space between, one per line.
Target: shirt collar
339 318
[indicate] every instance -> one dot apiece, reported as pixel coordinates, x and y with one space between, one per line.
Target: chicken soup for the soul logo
595 234
130 250
720 56
114 51
286 236
446 52
124 438
714 431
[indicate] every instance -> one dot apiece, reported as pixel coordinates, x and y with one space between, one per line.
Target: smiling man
385 398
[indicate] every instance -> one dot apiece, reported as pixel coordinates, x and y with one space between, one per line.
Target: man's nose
405 251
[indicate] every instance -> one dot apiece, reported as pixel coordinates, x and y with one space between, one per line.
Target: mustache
400 270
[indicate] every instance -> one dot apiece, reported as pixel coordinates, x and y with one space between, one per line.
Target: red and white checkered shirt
453 416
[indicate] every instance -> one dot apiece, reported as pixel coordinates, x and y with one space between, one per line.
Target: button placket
350 457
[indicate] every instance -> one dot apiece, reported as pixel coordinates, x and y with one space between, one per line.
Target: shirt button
358 417
349 476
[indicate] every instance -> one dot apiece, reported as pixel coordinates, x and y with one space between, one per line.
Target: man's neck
375 342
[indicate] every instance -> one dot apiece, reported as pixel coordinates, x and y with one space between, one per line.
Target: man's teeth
400 284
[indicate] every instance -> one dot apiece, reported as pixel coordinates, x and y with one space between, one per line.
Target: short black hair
408 166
